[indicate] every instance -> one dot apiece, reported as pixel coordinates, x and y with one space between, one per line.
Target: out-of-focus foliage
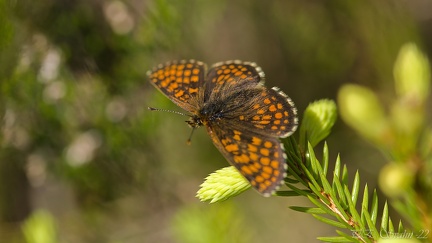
399 131
76 136
403 134
220 223
40 228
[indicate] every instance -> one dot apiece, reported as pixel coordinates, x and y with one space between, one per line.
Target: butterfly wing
180 81
231 73
260 159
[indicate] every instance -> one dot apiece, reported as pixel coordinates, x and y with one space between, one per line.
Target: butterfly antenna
175 112
188 142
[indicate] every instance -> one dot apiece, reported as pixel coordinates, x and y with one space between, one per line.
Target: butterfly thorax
209 113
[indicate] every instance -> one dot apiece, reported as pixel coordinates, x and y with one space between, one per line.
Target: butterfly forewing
179 81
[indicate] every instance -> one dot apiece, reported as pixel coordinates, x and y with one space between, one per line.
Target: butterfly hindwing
260 159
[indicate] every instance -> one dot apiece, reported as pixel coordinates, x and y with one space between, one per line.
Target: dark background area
78 142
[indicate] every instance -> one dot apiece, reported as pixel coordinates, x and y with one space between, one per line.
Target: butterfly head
195 122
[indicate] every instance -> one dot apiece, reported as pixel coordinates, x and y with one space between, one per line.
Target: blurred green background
83 160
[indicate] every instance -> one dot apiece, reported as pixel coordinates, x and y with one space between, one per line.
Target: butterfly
243 118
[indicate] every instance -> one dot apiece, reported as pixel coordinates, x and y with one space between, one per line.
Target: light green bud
360 108
318 119
222 185
412 74
395 179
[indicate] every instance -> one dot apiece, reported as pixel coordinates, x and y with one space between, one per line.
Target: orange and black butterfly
243 118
